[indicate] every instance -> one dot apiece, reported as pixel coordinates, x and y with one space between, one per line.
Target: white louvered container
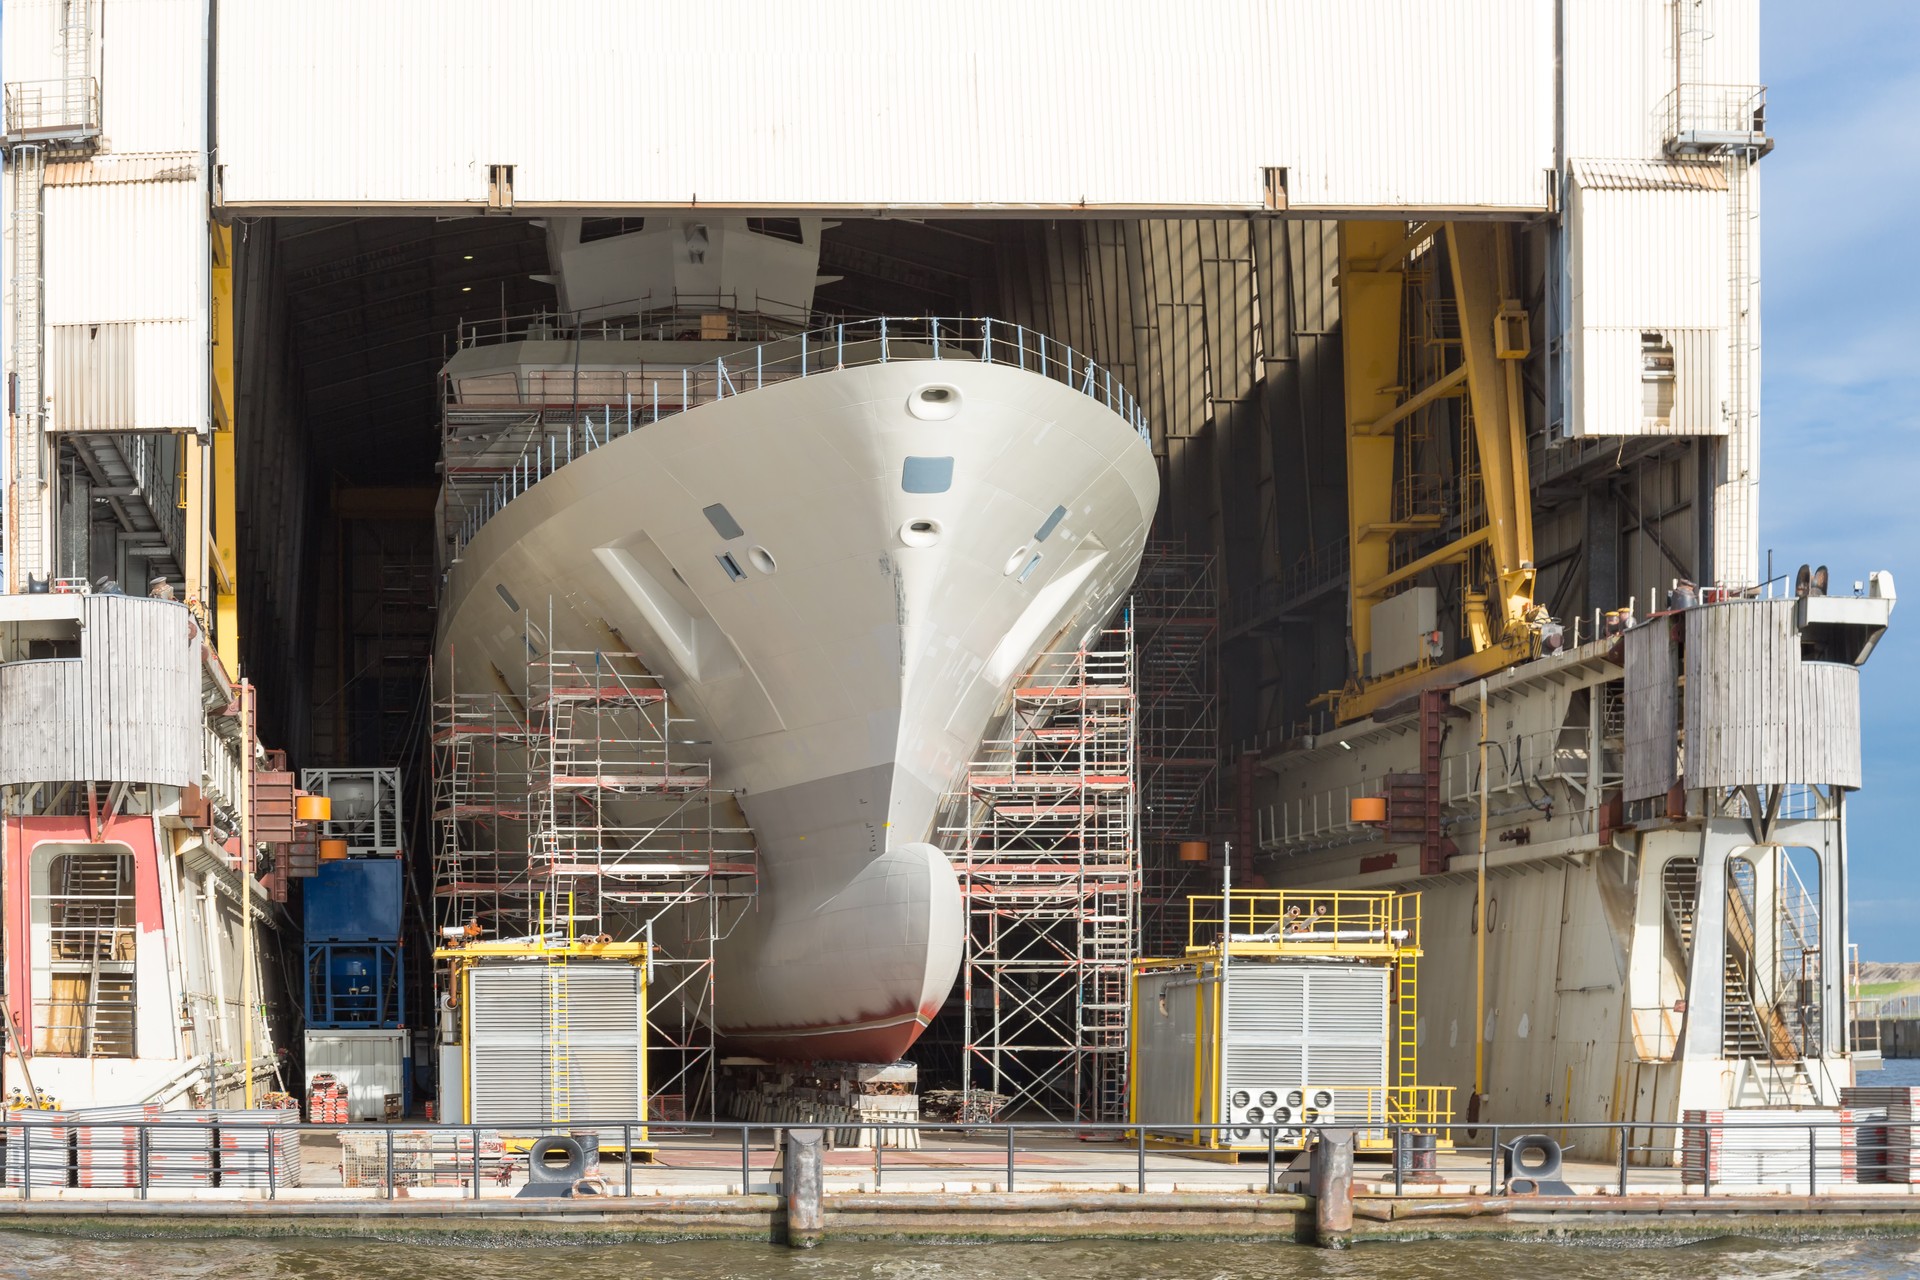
515 1052
1306 1043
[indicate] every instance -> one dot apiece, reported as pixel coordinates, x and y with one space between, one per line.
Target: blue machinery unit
354 984
353 944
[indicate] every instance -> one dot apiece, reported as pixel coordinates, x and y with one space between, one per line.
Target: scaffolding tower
1176 618
582 808
1044 840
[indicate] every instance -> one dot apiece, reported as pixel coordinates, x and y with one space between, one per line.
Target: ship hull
837 581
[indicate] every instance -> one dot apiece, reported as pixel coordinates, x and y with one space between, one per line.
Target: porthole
1014 561
1239 1099
935 402
761 559
1295 1098
1268 1098
1322 1098
920 533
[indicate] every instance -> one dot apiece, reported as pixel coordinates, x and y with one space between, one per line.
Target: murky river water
45 1257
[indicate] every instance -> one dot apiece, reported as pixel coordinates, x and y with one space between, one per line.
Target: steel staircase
1680 883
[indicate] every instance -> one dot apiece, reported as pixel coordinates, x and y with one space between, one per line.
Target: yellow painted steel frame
1304 924
220 598
1367 923
1370 304
1494 340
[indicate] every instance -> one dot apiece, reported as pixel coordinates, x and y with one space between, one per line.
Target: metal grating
514 1053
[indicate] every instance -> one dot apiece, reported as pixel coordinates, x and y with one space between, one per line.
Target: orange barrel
309 808
332 850
1193 850
1367 809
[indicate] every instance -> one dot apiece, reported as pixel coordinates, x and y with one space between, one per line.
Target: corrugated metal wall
125 239
1648 255
1653 710
370 1063
867 103
126 710
1755 712
129 256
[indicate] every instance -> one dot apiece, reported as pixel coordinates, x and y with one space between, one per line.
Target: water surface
43 1257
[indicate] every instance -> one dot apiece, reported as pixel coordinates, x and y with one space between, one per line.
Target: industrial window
926 475
88 1009
1053 522
779 228
592 229
722 521
1656 380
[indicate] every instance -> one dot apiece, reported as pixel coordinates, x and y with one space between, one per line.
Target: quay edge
934 1218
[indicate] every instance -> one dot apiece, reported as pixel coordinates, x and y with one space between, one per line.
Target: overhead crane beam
1494 339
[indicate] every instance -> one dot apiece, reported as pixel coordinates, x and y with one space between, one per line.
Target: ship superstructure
831 552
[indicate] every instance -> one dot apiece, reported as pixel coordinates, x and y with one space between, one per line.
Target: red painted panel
23 836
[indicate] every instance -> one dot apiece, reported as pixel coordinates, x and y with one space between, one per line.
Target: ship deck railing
533 435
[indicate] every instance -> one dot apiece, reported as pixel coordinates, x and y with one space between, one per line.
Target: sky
1840 395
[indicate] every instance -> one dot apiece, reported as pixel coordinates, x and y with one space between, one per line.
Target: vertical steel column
1370 322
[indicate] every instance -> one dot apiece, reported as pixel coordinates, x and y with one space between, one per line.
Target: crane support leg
1494 340
1372 281
223 604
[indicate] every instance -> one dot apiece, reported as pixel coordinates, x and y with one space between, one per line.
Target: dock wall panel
998 105
1653 710
126 710
126 301
1756 711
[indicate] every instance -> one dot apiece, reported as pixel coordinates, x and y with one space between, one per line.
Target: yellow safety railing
1329 921
1421 1104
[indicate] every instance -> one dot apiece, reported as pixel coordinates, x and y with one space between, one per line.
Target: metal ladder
27 554
1406 1048
559 1051
93 888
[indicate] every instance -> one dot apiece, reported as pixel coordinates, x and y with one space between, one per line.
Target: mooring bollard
1330 1178
800 1177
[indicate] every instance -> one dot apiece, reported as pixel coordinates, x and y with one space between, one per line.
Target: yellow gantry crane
1474 352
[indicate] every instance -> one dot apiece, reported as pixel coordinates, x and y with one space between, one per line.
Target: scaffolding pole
1044 839
1176 618
585 790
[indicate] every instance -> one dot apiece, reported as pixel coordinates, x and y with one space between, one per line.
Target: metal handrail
51 108
842 346
1406 1140
1336 919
